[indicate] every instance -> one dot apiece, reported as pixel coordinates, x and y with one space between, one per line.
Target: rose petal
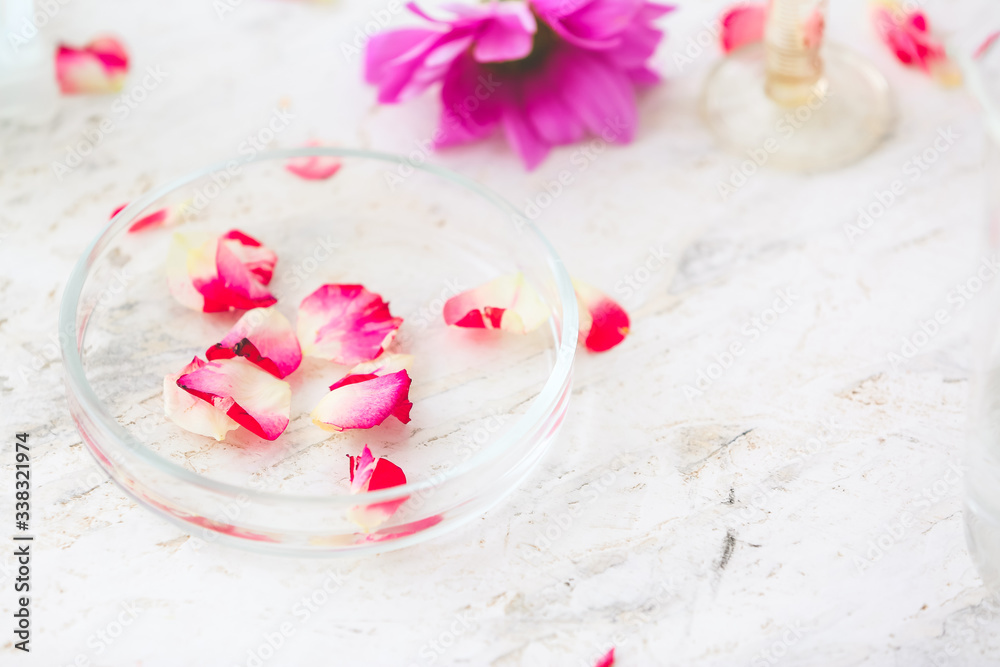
264 337
155 219
603 323
220 274
314 167
608 659
743 25
346 324
253 397
98 67
366 370
370 474
190 413
508 303
909 37
364 401
404 530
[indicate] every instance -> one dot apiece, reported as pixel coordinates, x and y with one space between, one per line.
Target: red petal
608 659
220 274
346 324
370 474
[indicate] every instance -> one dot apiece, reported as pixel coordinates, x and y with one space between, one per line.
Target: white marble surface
702 531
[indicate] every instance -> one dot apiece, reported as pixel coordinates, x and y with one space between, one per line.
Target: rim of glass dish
93 406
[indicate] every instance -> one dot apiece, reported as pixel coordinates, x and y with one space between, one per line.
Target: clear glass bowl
486 404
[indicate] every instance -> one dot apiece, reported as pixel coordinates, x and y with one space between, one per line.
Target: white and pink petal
508 303
371 474
98 67
191 413
346 324
364 401
249 395
262 336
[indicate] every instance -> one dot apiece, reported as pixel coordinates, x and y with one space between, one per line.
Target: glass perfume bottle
809 106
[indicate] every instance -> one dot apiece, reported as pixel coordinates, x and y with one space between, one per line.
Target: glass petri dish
486 404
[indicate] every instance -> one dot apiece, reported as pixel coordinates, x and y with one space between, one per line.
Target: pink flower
909 37
98 67
547 72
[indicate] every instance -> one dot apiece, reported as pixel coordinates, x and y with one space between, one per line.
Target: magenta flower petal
263 337
98 67
908 36
191 413
314 167
346 324
158 218
603 323
608 659
364 401
509 34
252 397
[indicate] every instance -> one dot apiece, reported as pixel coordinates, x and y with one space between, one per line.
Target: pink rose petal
404 530
220 274
98 67
314 167
364 401
371 474
254 398
366 370
743 25
608 659
264 337
158 218
191 413
603 323
508 303
908 36
346 324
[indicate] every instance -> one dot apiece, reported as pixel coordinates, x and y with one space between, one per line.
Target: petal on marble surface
508 303
191 413
96 68
364 401
265 337
158 218
603 323
346 324
252 397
